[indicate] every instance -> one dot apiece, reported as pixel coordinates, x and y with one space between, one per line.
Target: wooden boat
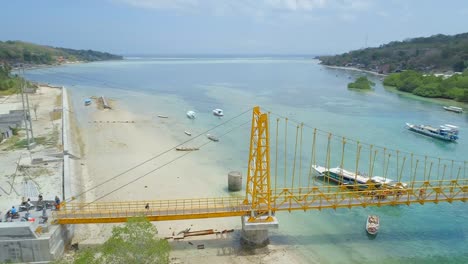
162 116
187 133
372 224
186 149
212 138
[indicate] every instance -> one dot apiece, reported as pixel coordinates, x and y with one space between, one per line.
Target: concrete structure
5 131
255 234
38 240
234 181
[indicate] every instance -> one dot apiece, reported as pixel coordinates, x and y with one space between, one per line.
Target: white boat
162 116
372 224
186 149
191 114
385 182
218 112
445 132
187 133
454 109
212 138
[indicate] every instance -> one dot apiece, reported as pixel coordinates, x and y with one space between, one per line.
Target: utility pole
26 113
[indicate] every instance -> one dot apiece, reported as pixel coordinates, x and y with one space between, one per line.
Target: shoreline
354 69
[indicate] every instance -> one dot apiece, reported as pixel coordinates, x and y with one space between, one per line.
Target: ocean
304 91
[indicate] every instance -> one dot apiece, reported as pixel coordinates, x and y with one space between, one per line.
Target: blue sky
228 26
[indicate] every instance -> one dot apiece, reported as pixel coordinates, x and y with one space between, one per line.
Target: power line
165 164
158 155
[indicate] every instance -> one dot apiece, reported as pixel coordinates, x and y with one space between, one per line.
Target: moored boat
87 101
446 132
186 149
218 112
453 109
162 116
344 177
372 224
191 114
187 133
212 138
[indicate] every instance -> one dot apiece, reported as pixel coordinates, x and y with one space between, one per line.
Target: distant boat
187 133
212 138
87 101
372 224
218 112
445 132
191 114
162 116
186 149
454 109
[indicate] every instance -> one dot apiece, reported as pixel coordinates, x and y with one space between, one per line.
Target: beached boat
191 114
218 112
87 101
186 149
344 177
454 109
445 132
187 133
372 224
162 116
212 138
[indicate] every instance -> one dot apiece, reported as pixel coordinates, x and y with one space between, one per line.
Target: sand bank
116 140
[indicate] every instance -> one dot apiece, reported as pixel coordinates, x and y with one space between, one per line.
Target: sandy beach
116 140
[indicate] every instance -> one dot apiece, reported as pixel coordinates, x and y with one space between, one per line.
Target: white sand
112 148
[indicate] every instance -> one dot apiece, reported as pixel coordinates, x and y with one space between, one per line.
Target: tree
459 66
361 83
133 242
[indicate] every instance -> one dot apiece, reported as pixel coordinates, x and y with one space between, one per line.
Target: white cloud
286 5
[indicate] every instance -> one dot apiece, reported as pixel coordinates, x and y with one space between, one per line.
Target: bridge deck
315 198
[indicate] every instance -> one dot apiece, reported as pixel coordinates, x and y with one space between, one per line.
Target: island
361 83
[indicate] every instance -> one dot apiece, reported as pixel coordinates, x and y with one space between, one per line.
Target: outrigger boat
186 149
372 224
446 132
454 109
212 138
344 177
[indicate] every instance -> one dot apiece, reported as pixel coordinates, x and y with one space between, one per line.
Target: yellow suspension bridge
419 180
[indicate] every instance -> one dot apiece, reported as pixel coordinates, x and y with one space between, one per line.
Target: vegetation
18 52
437 53
454 87
361 83
133 242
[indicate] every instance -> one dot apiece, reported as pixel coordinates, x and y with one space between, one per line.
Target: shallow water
305 91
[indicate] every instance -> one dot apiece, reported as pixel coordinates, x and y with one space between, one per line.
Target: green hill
438 53
18 52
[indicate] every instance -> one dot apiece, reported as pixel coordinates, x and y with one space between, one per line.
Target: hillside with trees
435 54
16 53
454 87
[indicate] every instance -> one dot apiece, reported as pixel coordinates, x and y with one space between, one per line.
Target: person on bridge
57 203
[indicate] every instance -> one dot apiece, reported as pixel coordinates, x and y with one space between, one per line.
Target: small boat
162 116
212 138
191 114
187 133
454 109
446 132
87 101
186 149
218 112
372 224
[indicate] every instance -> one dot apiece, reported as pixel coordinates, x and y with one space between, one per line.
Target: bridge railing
322 197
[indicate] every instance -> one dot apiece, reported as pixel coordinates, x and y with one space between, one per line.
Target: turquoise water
305 91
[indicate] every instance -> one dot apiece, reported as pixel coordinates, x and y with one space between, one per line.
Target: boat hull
372 225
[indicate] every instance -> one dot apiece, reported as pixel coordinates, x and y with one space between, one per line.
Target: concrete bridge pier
255 234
